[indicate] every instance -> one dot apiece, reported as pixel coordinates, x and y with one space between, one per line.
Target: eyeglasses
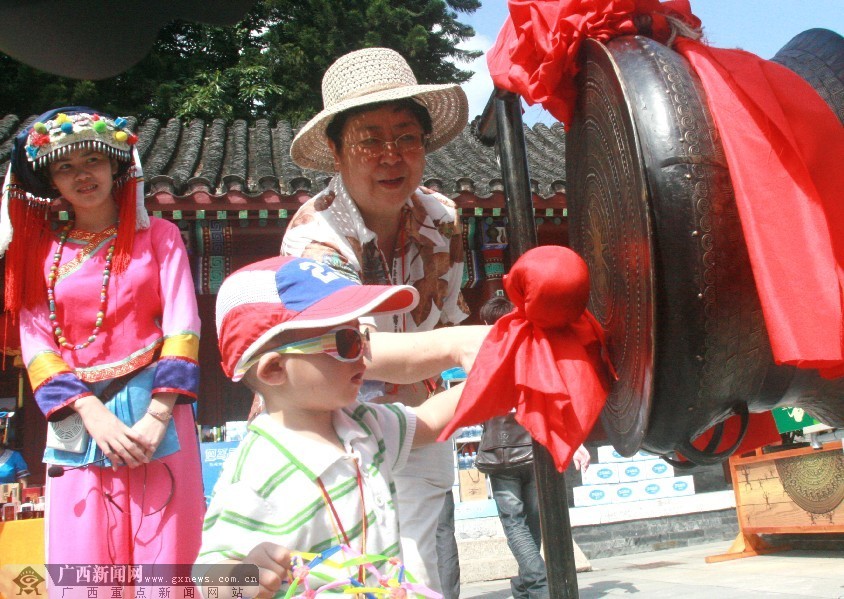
372 147
346 344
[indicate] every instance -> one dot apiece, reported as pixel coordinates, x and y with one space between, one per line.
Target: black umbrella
96 39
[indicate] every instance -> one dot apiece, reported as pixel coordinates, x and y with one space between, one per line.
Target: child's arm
405 358
273 562
434 414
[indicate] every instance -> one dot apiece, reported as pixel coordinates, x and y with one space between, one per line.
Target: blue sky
758 26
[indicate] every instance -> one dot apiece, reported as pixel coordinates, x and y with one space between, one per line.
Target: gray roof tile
253 159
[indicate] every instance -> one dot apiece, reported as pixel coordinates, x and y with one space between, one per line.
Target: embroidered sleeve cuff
55 395
177 375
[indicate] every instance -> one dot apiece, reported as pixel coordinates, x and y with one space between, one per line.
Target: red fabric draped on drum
546 359
783 146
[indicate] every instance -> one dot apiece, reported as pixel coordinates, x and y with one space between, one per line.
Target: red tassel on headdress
25 285
125 196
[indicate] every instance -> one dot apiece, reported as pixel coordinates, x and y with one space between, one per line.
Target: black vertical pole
502 121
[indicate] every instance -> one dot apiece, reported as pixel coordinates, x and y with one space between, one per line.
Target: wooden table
784 492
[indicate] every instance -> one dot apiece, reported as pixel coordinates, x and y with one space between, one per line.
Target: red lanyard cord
327 499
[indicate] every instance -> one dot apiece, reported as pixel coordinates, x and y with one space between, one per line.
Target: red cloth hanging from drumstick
547 358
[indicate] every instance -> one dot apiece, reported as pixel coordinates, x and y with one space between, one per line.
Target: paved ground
684 573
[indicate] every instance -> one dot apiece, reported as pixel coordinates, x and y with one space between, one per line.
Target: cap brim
340 307
447 104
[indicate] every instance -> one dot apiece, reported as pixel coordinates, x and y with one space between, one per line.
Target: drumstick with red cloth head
547 358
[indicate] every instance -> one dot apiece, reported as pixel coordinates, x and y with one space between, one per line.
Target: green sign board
792 419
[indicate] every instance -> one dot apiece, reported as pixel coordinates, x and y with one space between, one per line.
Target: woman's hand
153 425
151 431
582 459
119 443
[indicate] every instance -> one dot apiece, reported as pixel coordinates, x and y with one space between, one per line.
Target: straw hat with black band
373 76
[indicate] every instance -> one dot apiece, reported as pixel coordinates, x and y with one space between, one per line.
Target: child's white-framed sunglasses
346 344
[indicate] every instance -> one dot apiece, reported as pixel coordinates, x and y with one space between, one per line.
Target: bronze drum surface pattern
815 481
710 356
817 55
653 213
610 227
712 351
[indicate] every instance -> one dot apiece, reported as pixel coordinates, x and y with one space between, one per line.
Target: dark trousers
448 564
518 509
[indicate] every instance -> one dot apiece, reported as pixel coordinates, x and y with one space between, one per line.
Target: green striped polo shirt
267 491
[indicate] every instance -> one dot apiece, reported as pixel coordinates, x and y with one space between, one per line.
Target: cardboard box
472 485
603 494
643 470
642 490
235 430
607 454
467 510
591 495
665 487
600 474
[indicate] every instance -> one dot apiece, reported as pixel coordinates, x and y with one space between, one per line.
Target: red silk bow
546 359
535 54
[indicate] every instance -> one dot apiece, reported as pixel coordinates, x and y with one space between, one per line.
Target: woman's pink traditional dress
142 515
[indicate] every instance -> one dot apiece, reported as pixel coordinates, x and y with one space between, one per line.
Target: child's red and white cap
259 301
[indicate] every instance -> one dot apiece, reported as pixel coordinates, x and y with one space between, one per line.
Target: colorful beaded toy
396 583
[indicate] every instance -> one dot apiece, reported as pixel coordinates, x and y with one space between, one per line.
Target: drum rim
626 443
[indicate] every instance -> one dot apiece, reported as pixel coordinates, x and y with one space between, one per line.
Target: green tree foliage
269 65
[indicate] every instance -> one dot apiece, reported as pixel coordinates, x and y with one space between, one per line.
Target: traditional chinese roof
223 162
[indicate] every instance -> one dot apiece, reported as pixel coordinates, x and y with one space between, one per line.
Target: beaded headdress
28 195
54 138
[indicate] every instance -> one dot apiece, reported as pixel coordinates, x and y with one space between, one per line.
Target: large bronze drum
817 55
651 210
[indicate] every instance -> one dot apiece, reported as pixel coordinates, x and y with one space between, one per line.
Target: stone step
483 548
491 559
487 569
485 559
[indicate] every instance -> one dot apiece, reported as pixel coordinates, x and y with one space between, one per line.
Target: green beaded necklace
51 295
